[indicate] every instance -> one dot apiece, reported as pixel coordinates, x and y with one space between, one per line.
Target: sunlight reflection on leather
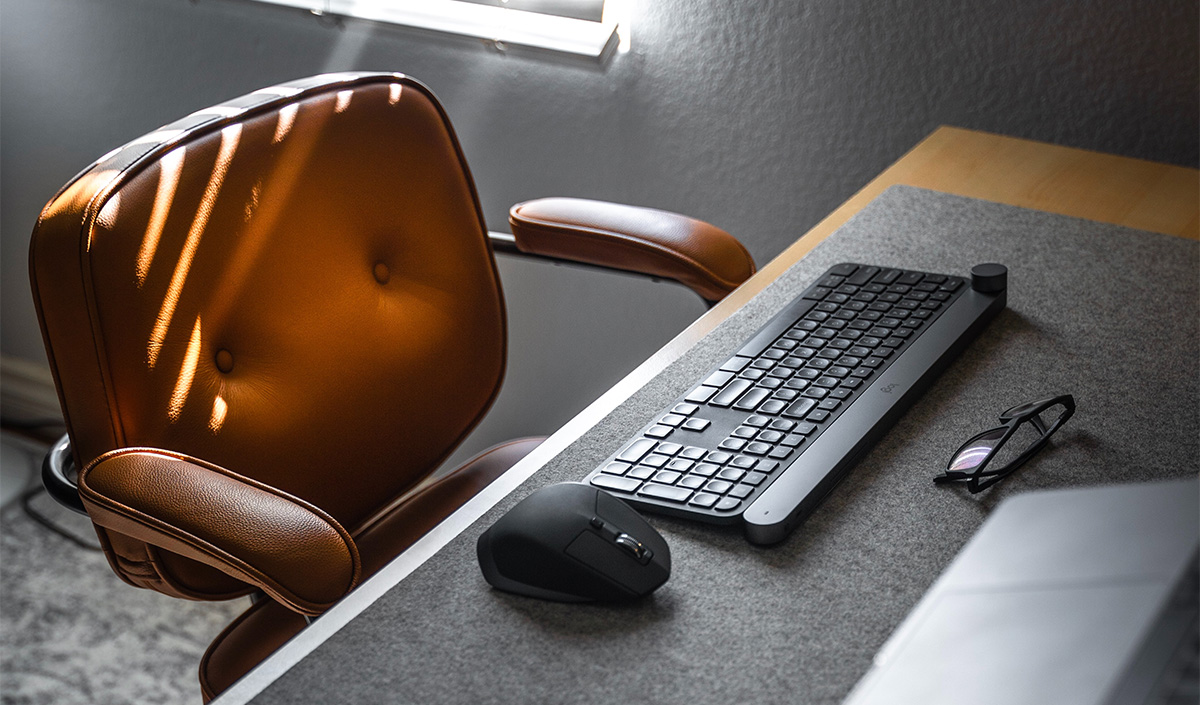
229 143
287 116
275 192
183 384
108 214
172 166
78 193
217 419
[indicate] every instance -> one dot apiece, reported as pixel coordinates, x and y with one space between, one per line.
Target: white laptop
1084 596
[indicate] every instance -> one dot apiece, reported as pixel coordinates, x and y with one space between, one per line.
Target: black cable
27 504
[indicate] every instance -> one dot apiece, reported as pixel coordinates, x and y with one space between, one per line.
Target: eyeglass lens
1026 435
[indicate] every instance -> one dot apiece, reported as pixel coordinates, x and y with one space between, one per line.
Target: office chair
271 321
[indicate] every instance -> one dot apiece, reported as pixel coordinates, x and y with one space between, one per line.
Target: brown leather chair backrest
295 285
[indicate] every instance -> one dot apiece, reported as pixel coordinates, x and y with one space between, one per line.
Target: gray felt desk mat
1103 312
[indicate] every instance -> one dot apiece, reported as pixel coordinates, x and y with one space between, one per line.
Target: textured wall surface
760 117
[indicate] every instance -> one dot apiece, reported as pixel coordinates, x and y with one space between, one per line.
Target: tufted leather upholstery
269 322
295 286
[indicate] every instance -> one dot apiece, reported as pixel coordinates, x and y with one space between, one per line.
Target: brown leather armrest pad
701 256
296 553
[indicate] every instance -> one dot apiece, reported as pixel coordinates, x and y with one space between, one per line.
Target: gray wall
760 117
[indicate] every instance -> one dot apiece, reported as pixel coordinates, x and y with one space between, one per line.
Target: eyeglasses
1026 429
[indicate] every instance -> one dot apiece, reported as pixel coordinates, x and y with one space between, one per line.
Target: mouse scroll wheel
635 547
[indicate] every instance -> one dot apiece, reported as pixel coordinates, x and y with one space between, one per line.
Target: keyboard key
692 453
757 421
769 437
611 482
641 472
751 399
729 394
757 448
772 407
716 486
780 452
754 478
634 451
666 492
719 456
862 276
744 462
616 467
696 424
704 500
792 440
655 460
667 477
668 448
718 379
681 464
744 432
691 482
731 474
735 364
741 491
728 504
685 409
800 408
699 395
782 425
705 469
766 466
817 416
732 444
887 276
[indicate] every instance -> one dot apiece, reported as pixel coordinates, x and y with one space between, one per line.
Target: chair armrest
293 551
700 256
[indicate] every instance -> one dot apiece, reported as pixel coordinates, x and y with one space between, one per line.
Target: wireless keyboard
765 435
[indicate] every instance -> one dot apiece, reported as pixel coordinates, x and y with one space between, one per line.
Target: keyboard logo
887 389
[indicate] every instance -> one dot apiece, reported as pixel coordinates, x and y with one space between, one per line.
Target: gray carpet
71 632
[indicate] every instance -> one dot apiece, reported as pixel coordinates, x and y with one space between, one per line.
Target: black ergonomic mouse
571 542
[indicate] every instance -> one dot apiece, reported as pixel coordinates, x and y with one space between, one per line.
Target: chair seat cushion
267 625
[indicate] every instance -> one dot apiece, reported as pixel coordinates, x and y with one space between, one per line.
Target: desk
800 621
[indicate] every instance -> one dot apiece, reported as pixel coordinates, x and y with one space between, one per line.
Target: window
586 27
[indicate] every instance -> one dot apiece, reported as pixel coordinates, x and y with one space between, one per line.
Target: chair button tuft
225 361
382 273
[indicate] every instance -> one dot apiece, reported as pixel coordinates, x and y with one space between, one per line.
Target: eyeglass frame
979 478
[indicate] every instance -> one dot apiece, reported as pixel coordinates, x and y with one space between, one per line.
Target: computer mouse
572 542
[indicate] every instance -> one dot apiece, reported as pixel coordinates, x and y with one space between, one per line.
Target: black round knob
989 278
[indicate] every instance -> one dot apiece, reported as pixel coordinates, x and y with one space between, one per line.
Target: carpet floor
72 633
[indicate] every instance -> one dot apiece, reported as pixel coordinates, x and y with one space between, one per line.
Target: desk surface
846 582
